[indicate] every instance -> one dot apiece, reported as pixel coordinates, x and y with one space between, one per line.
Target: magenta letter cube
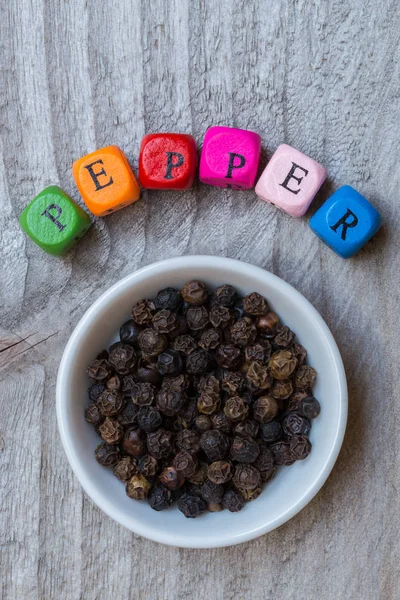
230 157
290 180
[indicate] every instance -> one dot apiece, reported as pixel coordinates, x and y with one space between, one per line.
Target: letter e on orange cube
105 181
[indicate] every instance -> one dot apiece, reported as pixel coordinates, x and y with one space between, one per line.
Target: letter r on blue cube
346 221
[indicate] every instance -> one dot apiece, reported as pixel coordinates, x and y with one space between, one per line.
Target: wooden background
80 74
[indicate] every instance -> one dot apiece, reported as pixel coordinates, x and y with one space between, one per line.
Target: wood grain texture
77 75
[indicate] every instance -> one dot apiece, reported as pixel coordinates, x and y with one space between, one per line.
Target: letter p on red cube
167 161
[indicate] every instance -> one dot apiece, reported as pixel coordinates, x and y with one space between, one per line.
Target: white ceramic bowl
291 489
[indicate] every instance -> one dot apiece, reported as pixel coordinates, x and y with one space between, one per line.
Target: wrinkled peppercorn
122 359
208 404
255 305
165 321
221 316
265 459
180 383
189 413
212 492
95 391
229 356
265 409
268 325
143 312
266 476
168 299
107 454
99 370
129 332
185 463
258 353
271 432
300 446
307 406
220 421
111 431
149 419
185 344
172 478
294 424
160 498
236 409
110 403
282 453
285 338
225 295
246 477
198 362
128 415
197 317
152 343
203 423
244 450
305 377
248 428
243 332
194 292
282 364
137 487
215 444
159 443
148 466
281 390
200 475
143 394
191 506
259 376
232 382
169 363
220 472
250 495
210 339
126 468
170 402
188 440
92 415
134 442
233 501
114 383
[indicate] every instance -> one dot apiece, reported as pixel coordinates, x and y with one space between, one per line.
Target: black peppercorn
233 501
229 356
110 403
307 406
221 316
93 415
248 428
200 475
180 383
282 364
148 465
282 453
170 363
143 312
281 390
191 506
159 443
300 447
99 370
250 495
258 353
294 424
243 332
265 409
203 423
300 353
143 394
151 342
170 402
212 492
194 292
305 377
137 487
197 317
220 421
148 373
225 295
111 431
134 442
236 408
128 415
232 382
129 332
126 468
198 362
188 440
168 299
267 475
165 321
271 432
160 498
215 444
171 478
259 376
185 344
210 339
208 403
244 450
220 472
114 383
246 477
265 459
185 463
149 419
107 454
122 359
268 325
95 391
189 413
254 304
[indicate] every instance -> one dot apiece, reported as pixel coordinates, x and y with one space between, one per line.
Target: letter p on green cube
54 221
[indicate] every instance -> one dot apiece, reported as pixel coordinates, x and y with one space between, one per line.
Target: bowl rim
173 538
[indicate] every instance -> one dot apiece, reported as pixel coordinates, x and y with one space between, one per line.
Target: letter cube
290 180
105 180
54 221
346 221
230 157
167 161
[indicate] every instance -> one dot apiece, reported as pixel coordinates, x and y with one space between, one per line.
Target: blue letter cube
346 221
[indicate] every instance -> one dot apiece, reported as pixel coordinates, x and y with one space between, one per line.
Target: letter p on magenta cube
346 221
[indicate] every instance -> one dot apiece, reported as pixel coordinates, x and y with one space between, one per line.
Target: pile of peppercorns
202 398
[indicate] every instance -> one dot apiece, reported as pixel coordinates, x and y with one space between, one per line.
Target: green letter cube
54 221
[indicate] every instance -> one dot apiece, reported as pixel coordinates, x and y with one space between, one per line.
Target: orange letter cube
105 180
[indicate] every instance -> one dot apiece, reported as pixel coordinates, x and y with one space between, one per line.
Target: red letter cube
167 161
